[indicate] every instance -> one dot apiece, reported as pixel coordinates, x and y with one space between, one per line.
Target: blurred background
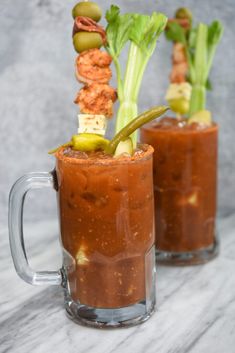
37 88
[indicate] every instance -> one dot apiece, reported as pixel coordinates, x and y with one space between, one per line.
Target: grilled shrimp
179 73
179 54
97 98
180 64
93 66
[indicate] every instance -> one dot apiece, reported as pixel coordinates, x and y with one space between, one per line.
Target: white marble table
195 311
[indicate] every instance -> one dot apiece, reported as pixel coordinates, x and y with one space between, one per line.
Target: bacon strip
86 24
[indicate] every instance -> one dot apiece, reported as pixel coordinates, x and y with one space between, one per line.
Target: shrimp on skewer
180 64
179 92
92 69
97 98
93 66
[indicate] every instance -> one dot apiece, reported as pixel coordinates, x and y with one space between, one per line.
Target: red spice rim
112 161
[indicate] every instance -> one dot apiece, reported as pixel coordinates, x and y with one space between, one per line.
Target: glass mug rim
105 162
214 127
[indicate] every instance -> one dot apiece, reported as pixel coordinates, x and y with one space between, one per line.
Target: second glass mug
106 214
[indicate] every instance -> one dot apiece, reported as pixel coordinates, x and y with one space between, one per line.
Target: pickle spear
88 142
135 124
57 148
92 142
85 143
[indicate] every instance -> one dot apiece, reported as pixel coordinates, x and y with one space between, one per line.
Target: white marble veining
195 311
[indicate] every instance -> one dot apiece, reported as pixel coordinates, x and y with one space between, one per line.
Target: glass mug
106 211
185 187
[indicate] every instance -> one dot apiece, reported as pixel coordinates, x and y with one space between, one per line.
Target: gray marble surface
37 87
195 305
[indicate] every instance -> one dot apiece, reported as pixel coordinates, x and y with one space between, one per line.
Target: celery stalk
126 112
119 79
198 96
207 39
198 99
142 32
132 69
128 108
200 60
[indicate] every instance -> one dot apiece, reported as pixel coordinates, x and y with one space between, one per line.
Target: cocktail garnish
135 124
124 148
92 68
92 124
202 117
88 9
142 32
199 44
85 143
68 144
88 25
178 96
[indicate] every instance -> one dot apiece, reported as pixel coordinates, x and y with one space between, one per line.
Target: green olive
184 12
86 40
87 9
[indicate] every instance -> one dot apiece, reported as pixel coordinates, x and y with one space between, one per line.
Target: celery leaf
118 30
146 30
215 32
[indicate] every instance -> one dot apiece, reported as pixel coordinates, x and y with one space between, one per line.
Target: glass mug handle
16 205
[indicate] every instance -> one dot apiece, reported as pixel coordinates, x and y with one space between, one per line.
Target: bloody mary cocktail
104 183
107 226
185 183
185 158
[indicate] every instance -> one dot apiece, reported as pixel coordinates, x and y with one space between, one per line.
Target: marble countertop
195 305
